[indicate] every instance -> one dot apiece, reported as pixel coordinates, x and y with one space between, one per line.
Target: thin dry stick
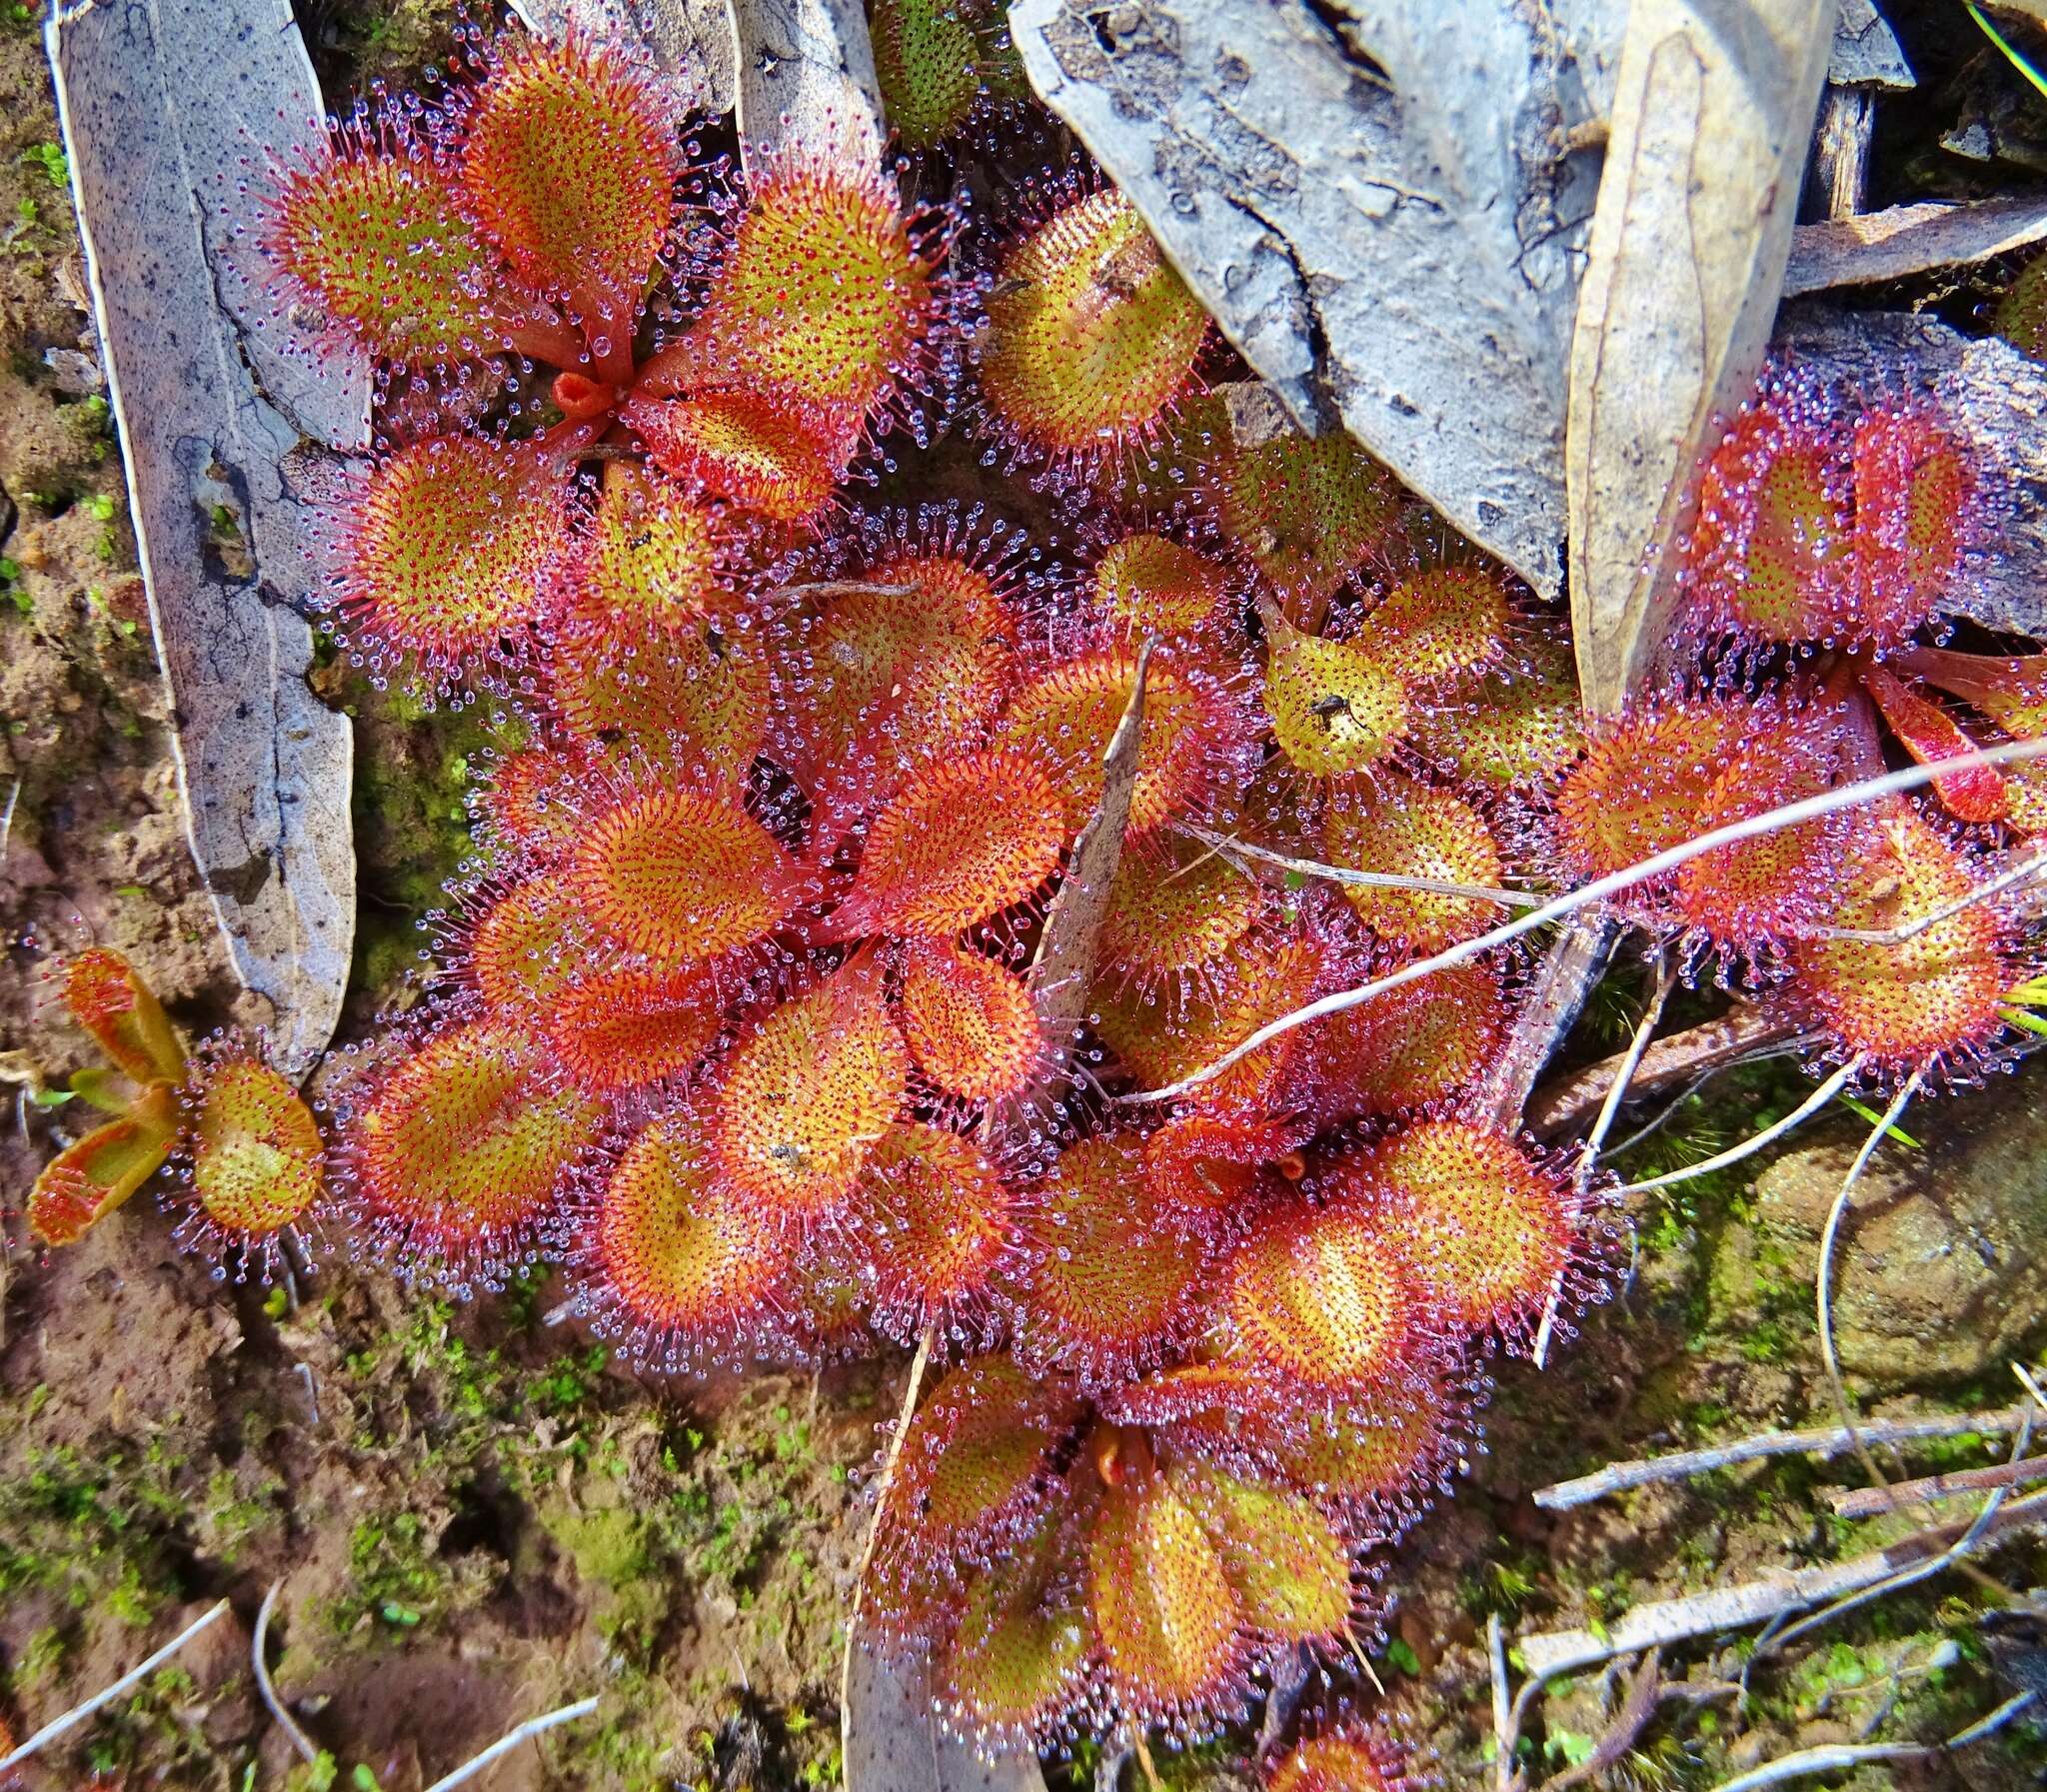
533 1726
1610 1111
77 1715
1734 1608
1748 1147
1823 1286
1574 1095
1504 1737
1791 815
1619 1478
274 1705
1873 1502
1337 874
1837 1757
1953 1556
2030 1385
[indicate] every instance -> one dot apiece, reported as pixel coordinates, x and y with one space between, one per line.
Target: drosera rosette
1089 337
145 1065
1085 1575
251 1194
461 1145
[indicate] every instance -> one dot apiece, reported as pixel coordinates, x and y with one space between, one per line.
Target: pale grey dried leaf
148 96
1866 51
893 1743
691 41
1385 213
1996 396
1712 119
807 81
1907 240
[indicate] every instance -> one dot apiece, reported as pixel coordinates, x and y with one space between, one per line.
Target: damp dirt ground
471 1516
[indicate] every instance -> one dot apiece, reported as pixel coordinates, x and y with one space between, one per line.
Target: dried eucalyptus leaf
1382 203
153 101
1712 119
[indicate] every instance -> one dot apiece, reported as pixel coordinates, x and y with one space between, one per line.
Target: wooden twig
274 1705
58 1726
1790 814
1568 1101
533 1726
1339 874
1625 1730
1619 1478
1733 1608
1838 1757
1873 1502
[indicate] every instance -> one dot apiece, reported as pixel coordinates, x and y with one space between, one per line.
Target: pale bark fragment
894 1741
1712 119
1908 239
806 82
691 41
158 104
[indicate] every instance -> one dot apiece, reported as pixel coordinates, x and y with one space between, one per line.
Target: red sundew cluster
757 1011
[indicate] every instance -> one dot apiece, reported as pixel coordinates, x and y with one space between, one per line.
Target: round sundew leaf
1917 1002
699 698
1172 909
1068 716
1636 791
456 544
1929 733
94 1175
1772 886
962 839
1323 1296
1167 1619
1486 1229
257 1154
672 1254
1116 1274
821 296
649 559
523 948
679 876
569 161
467 1142
887 679
1285 1560
926 64
1163 1035
780 456
1149 584
935 1221
1342 1761
1405 1050
1305 511
380 243
2021 316
1338 707
1914 493
1442 623
1206 1167
1018 1660
106 997
978 1459
1770 550
1373 1460
1400 827
969 1021
810 1093
623 1028
1090 334
1511 729
530 801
